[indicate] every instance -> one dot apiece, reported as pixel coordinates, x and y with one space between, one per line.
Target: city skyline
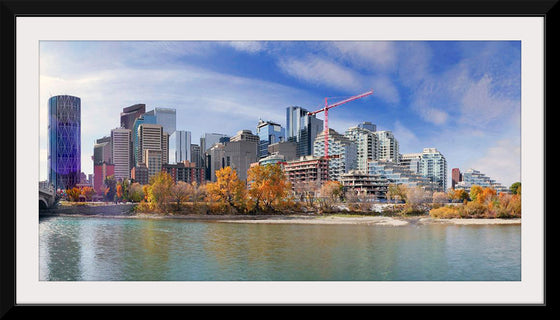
460 97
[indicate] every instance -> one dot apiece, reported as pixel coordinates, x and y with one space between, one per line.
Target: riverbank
302 219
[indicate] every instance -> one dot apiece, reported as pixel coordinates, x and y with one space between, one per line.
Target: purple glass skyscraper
64 154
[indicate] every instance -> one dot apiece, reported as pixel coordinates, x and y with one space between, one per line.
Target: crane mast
326 108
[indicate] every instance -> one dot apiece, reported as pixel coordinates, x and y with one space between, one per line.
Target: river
120 249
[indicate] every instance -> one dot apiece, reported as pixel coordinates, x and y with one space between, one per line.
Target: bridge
47 195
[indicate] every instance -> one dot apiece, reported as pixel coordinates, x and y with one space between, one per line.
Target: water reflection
151 250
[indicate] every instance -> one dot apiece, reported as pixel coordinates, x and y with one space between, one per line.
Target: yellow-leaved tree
267 186
159 190
228 189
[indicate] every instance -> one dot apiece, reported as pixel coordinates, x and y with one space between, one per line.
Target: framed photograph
185 154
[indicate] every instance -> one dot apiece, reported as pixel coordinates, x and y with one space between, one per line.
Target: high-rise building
387 147
302 128
434 167
209 139
180 147
411 161
120 140
245 135
343 154
136 152
152 137
166 117
196 155
287 149
102 151
366 144
239 155
269 132
368 125
130 114
154 161
64 152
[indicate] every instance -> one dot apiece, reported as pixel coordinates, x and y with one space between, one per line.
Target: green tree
515 188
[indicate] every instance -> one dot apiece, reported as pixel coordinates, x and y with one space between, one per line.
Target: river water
101 249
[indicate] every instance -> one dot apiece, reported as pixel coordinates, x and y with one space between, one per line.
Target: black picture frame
10 10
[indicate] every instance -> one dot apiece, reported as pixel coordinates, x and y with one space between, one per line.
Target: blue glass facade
269 133
64 152
302 129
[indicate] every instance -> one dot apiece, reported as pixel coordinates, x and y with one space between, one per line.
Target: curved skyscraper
64 154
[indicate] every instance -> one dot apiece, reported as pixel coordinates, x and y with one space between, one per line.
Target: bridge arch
43 204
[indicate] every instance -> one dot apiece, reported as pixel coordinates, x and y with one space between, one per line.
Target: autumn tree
440 197
110 188
475 191
119 192
396 192
73 194
197 192
160 189
267 185
458 195
306 190
331 192
180 192
228 189
135 192
88 193
416 198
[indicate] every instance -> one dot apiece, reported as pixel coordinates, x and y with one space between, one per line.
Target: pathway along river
112 249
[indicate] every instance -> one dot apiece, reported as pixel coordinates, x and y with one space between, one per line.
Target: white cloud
206 101
372 55
384 88
481 106
248 46
408 141
318 71
501 162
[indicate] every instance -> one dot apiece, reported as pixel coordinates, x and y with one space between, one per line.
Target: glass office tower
64 152
269 132
302 129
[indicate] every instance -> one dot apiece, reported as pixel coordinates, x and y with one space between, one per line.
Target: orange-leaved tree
267 185
88 192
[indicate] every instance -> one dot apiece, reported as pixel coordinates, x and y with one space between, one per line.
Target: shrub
447 212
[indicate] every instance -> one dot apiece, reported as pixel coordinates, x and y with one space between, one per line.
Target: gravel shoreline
309 219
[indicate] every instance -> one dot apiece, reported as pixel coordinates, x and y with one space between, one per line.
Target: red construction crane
326 110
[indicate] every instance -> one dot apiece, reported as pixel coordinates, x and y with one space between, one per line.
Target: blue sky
461 97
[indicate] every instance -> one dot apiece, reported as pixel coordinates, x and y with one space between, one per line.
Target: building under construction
306 171
369 185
